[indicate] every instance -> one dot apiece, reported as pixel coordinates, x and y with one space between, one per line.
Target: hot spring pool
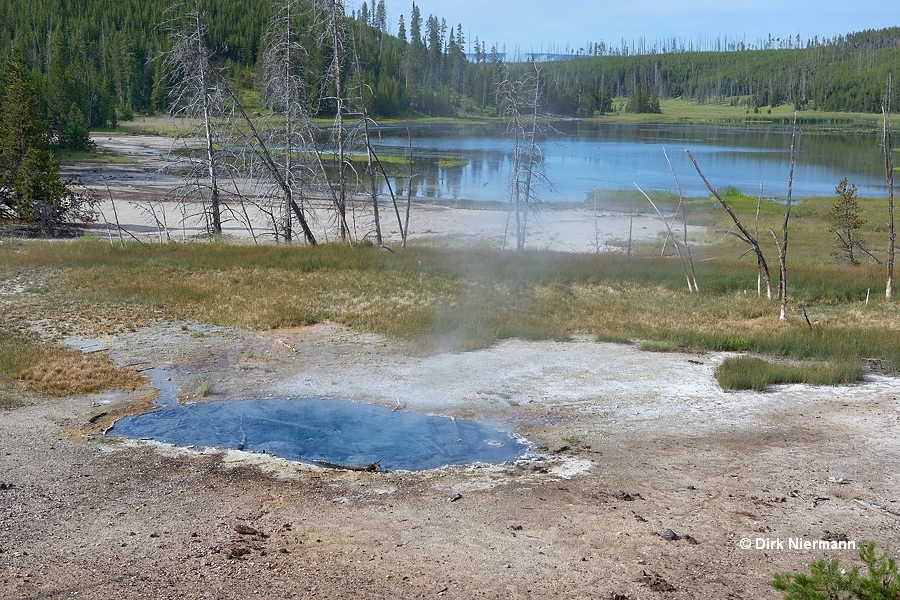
317 430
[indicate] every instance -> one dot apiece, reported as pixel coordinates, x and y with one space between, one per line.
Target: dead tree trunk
196 95
783 246
336 31
376 163
272 167
759 272
674 242
521 104
743 234
320 161
215 209
283 90
533 156
889 176
687 246
372 180
404 227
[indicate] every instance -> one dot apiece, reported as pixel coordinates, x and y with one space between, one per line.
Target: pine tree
845 221
381 17
74 133
30 188
401 31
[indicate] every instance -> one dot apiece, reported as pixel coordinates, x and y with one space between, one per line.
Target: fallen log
371 467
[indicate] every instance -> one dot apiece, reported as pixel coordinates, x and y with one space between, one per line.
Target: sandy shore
142 200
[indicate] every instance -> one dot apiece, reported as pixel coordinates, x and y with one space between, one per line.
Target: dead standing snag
889 177
196 93
742 233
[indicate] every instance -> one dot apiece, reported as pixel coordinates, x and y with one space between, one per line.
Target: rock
245 529
238 552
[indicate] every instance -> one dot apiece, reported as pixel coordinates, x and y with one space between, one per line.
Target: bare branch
683 221
674 243
744 235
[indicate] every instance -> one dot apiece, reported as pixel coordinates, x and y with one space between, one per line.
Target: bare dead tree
195 93
687 246
323 171
783 244
887 145
360 92
371 160
336 36
285 91
252 133
243 215
374 163
742 233
520 101
404 229
119 227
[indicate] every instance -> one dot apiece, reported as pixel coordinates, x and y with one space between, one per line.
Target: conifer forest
104 58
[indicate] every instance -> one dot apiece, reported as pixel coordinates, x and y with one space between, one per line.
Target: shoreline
137 199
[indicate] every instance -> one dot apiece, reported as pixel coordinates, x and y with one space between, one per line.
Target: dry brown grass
64 371
452 298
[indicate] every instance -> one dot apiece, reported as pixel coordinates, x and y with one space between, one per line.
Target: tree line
847 76
102 57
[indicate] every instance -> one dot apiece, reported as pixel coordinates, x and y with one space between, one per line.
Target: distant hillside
99 55
846 73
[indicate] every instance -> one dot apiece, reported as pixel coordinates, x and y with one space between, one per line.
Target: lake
472 161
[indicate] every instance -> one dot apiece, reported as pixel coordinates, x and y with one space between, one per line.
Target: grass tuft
750 373
204 389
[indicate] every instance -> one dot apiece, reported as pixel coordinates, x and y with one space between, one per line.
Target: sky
542 25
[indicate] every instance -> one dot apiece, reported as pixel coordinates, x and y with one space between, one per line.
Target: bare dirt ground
627 445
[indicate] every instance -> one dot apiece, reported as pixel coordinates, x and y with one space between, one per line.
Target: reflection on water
472 161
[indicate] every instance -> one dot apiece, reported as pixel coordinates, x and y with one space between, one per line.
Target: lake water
584 156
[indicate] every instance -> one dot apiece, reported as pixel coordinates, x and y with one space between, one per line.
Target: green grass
452 163
18 353
674 110
204 389
97 156
749 373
